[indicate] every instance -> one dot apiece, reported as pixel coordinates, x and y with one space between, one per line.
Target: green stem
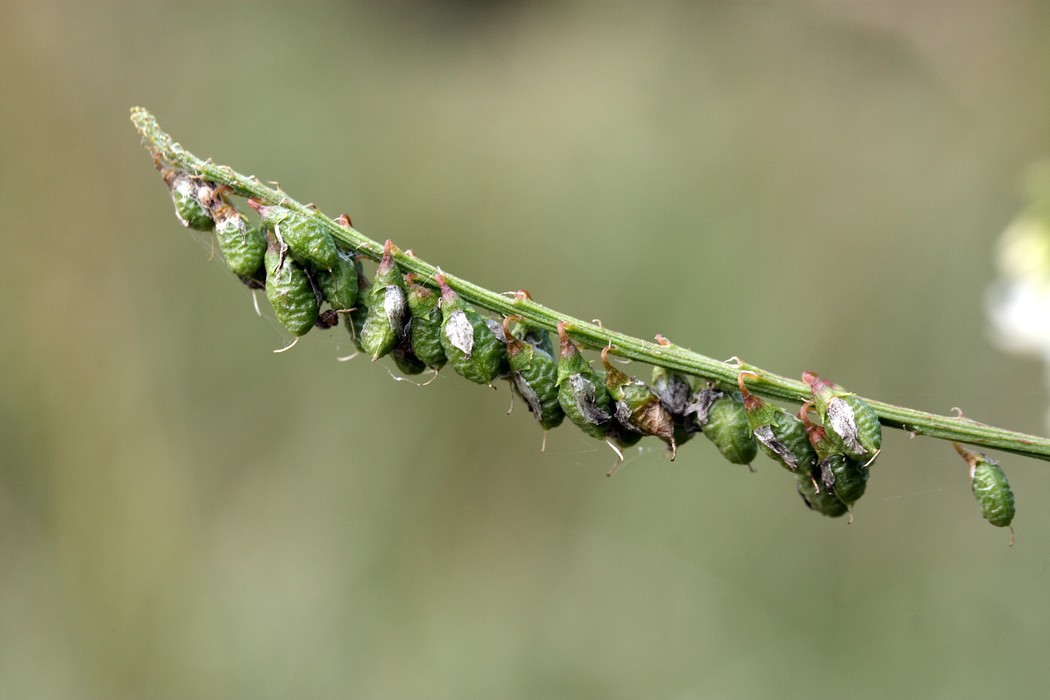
767 384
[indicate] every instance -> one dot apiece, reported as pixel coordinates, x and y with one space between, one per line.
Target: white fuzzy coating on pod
841 420
528 393
583 395
395 307
764 434
459 332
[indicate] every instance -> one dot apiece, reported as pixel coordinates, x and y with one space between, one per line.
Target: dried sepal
309 242
780 435
191 197
581 390
990 488
387 308
851 423
471 347
675 394
424 330
534 373
722 418
637 407
289 289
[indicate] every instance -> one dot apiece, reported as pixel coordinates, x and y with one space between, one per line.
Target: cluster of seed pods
311 281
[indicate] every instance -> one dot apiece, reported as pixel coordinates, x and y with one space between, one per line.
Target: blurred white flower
1019 301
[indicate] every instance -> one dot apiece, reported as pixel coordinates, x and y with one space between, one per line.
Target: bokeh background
814 185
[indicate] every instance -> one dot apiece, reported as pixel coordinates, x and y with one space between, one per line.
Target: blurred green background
815 186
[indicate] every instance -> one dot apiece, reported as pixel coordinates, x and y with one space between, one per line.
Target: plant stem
674 357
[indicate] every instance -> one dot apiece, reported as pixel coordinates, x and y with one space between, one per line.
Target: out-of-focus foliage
820 187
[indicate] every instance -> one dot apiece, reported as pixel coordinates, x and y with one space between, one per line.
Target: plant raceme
312 270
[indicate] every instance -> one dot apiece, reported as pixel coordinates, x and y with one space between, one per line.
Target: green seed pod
722 419
990 488
406 360
534 374
823 501
471 347
424 331
780 435
339 286
387 308
637 407
355 320
581 390
675 394
289 290
851 423
843 475
192 199
241 243
308 241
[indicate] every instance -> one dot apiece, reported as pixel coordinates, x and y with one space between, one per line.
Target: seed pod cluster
312 280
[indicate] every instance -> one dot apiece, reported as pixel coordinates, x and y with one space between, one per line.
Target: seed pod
241 243
424 331
843 475
308 241
355 320
990 488
387 308
534 374
289 290
470 345
191 198
851 424
823 501
406 360
637 407
722 419
675 393
339 286
780 435
581 390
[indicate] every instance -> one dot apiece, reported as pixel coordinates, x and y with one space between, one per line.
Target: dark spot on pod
327 319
